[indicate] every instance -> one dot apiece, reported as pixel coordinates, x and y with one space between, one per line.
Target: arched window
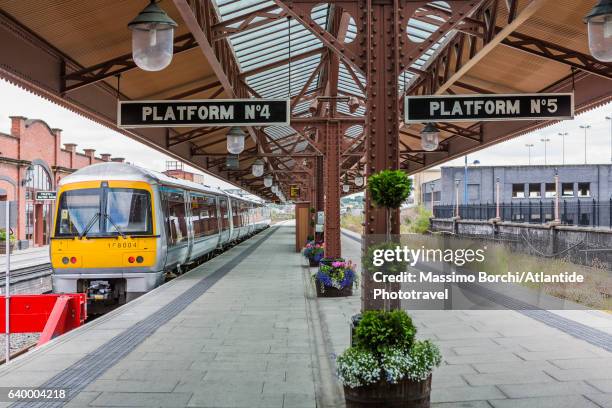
37 178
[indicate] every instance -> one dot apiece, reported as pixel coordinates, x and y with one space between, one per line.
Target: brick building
32 159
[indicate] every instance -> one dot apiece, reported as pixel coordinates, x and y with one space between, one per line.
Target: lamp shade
152 38
599 22
430 138
359 180
346 188
235 140
257 168
267 181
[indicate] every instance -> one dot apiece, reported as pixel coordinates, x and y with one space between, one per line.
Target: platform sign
204 112
294 192
472 108
45 195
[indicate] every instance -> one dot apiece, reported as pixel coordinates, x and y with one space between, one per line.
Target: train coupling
99 290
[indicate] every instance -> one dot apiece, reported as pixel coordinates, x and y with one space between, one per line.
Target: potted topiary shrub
335 278
12 242
389 189
314 252
386 366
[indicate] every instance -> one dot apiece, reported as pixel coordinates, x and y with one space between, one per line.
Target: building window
518 191
567 189
584 189
37 218
474 192
551 191
534 190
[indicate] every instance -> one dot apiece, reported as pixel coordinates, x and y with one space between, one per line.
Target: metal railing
583 212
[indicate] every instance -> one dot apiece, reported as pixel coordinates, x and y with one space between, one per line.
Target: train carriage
120 229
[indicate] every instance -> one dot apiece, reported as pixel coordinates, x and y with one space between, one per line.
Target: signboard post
7 280
476 108
204 112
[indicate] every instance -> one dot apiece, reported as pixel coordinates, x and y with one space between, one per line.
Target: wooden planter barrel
3 247
405 394
329 291
313 262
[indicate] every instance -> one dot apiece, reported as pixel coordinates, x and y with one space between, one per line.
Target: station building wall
32 159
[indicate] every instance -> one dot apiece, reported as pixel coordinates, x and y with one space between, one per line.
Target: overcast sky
88 134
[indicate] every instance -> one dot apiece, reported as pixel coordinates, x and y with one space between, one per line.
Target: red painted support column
382 47
331 174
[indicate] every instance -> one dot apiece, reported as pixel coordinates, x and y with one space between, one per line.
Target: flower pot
313 262
329 261
3 247
405 394
330 291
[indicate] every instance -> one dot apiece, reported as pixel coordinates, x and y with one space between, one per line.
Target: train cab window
204 215
224 213
175 216
129 211
78 210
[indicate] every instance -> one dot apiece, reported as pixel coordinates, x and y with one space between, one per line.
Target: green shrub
389 188
420 225
3 236
388 268
378 330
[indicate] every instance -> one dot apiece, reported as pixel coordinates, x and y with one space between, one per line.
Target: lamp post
497 213
529 146
431 187
610 119
457 181
465 178
557 218
563 140
585 127
545 140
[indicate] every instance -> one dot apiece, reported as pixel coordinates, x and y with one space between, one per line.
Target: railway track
25 274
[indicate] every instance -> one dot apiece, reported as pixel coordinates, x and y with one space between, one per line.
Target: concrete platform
241 341
26 258
498 358
246 330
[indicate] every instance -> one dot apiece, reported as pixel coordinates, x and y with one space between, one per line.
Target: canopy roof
78 54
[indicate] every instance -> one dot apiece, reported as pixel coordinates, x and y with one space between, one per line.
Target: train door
177 232
224 217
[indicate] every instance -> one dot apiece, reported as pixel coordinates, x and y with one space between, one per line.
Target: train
120 230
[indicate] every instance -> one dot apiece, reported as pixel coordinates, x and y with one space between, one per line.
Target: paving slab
242 342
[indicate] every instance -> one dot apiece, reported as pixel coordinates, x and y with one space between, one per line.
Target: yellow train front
119 230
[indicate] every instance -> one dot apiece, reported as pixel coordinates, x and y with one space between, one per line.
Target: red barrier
50 315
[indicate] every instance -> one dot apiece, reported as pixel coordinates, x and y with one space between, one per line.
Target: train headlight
139 259
65 260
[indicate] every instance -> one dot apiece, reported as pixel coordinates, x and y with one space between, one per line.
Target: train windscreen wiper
106 216
90 224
